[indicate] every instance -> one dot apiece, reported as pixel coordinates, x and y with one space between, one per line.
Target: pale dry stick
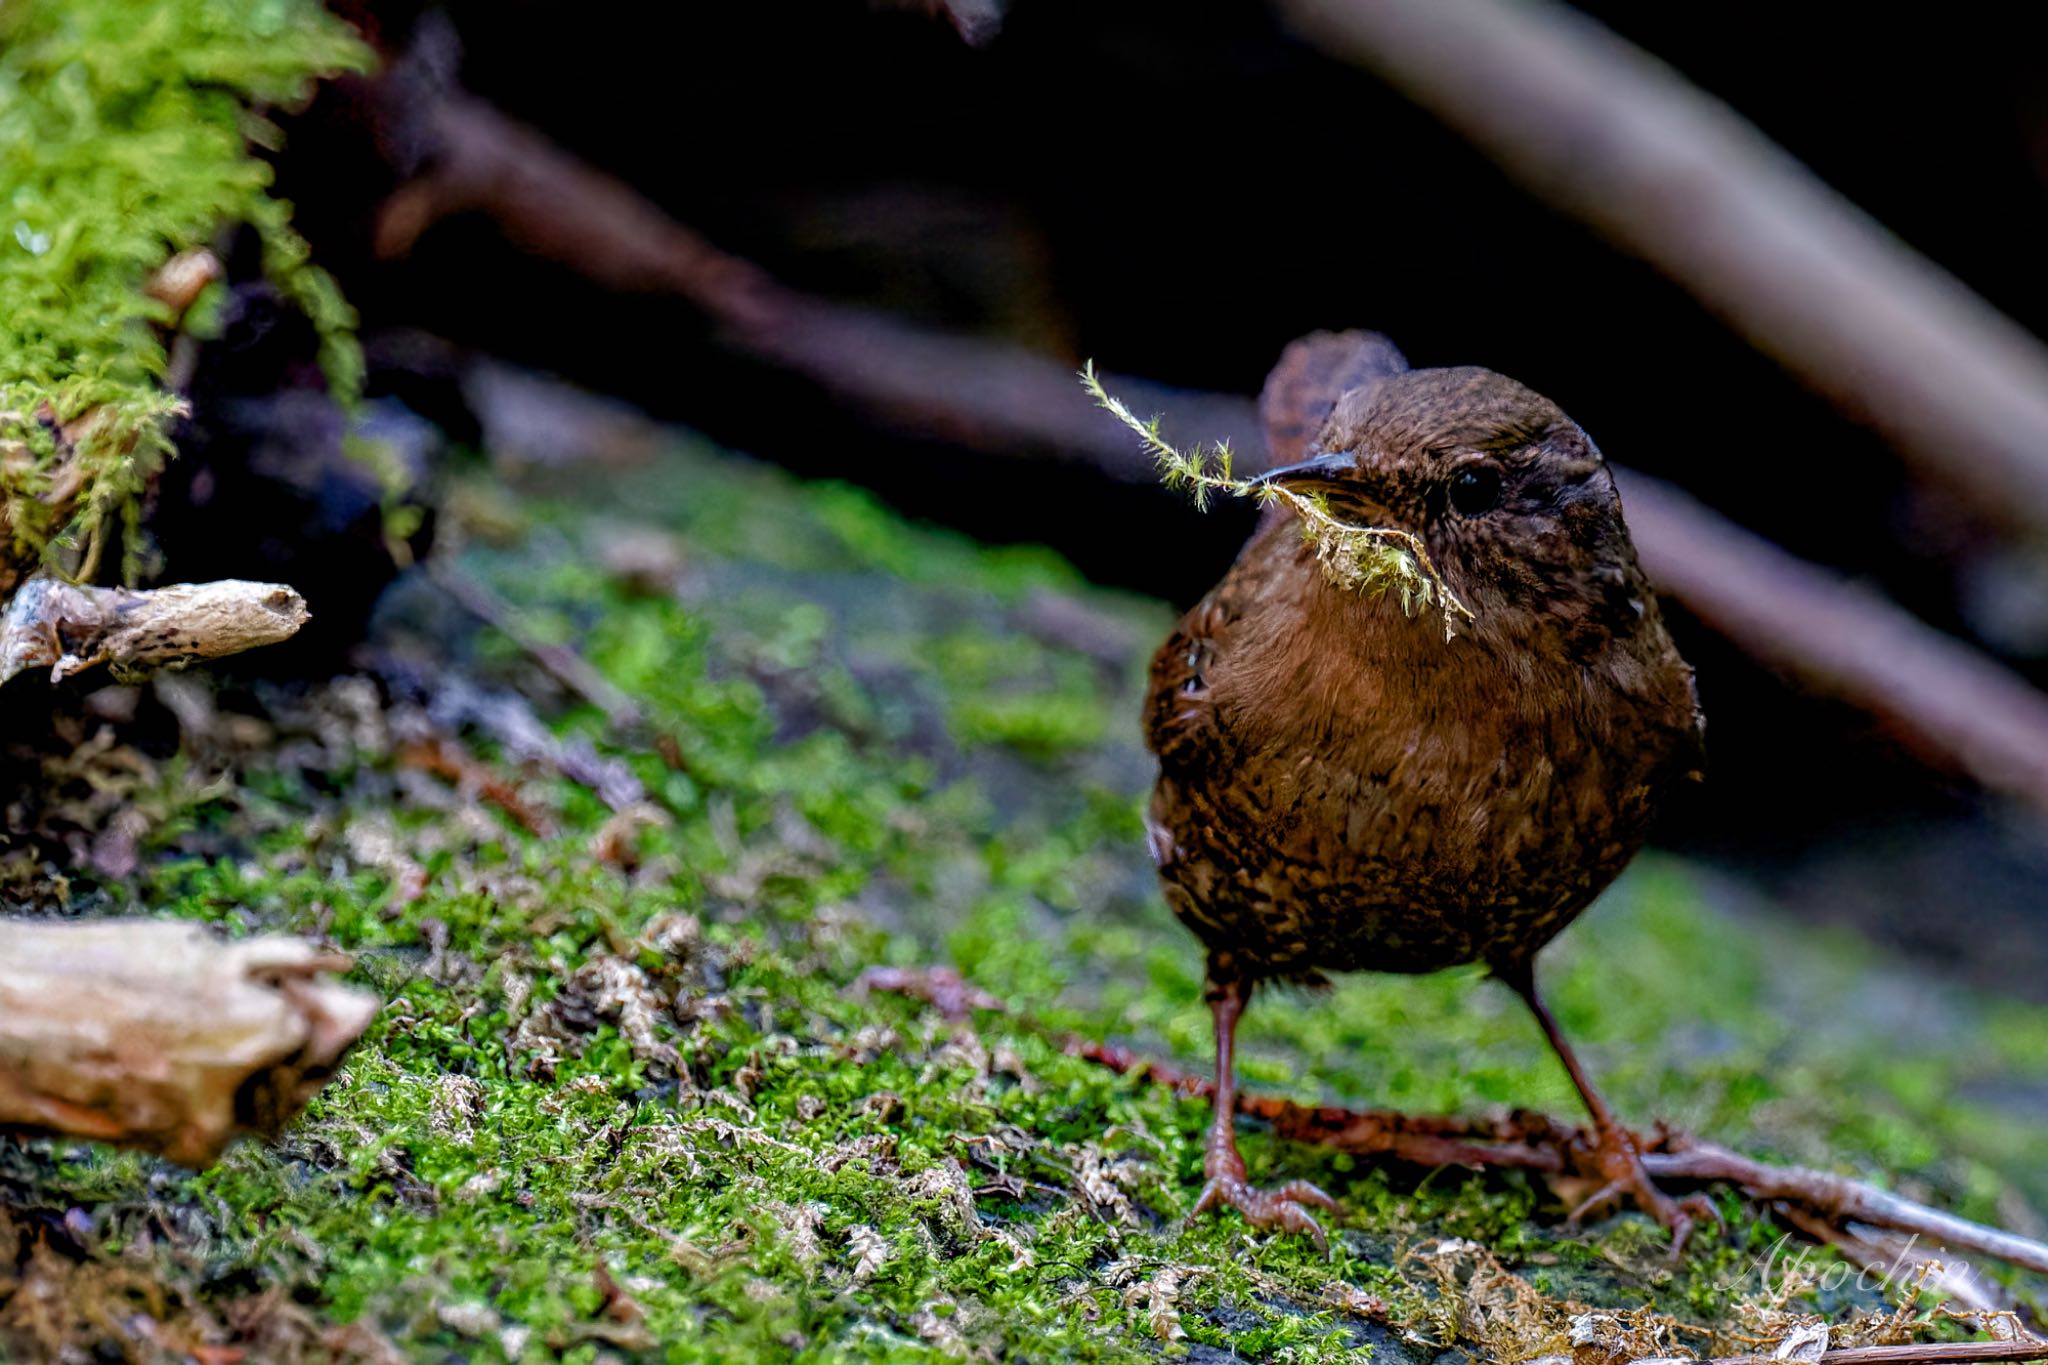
1890 1253
1944 1353
1601 129
70 627
1838 1197
1003 400
159 1035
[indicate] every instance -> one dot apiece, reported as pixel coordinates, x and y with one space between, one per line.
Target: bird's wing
1313 373
1180 719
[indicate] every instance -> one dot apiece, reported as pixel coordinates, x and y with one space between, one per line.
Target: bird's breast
1405 809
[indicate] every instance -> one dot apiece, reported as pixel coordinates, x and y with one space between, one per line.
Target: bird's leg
1228 992
1620 1163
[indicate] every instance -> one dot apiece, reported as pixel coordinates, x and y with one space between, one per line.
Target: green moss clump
125 132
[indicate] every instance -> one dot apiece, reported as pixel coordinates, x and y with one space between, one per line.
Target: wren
1342 789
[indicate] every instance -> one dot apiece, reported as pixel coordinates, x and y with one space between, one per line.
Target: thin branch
1890 1253
561 663
974 393
445 757
1601 129
1838 1197
1945 1353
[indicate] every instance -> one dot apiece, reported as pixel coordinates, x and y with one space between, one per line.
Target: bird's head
1513 502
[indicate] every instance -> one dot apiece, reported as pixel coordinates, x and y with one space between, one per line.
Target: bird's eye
1475 490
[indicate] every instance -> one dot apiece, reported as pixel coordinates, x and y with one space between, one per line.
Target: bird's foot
1286 1208
1619 1162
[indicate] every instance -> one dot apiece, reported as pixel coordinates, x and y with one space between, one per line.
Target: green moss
125 136
666 1076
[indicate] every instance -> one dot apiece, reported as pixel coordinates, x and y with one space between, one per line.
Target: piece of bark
69 627
156 1034
179 281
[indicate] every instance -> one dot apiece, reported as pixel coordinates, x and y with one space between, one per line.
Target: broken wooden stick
69 627
156 1034
1951 704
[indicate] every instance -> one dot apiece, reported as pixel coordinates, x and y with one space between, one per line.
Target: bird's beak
1318 472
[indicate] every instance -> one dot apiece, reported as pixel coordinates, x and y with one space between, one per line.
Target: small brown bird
1341 789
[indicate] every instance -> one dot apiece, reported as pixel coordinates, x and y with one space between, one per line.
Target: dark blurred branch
979 394
1958 707
1603 130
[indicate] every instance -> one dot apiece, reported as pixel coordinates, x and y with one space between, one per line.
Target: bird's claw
1283 1208
1620 1162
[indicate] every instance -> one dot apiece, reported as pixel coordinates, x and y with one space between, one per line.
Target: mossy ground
626 1104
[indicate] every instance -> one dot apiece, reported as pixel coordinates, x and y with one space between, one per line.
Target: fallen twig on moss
563 664
155 1034
1839 1198
69 627
1520 1139
446 757
1945 1353
1891 1254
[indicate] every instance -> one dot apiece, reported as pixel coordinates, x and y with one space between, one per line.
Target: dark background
1177 190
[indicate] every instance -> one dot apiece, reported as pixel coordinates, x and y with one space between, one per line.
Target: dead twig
1945 1353
1837 1197
978 394
561 663
156 1034
70 627
452 704
447 759
1889 1254
1957 708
